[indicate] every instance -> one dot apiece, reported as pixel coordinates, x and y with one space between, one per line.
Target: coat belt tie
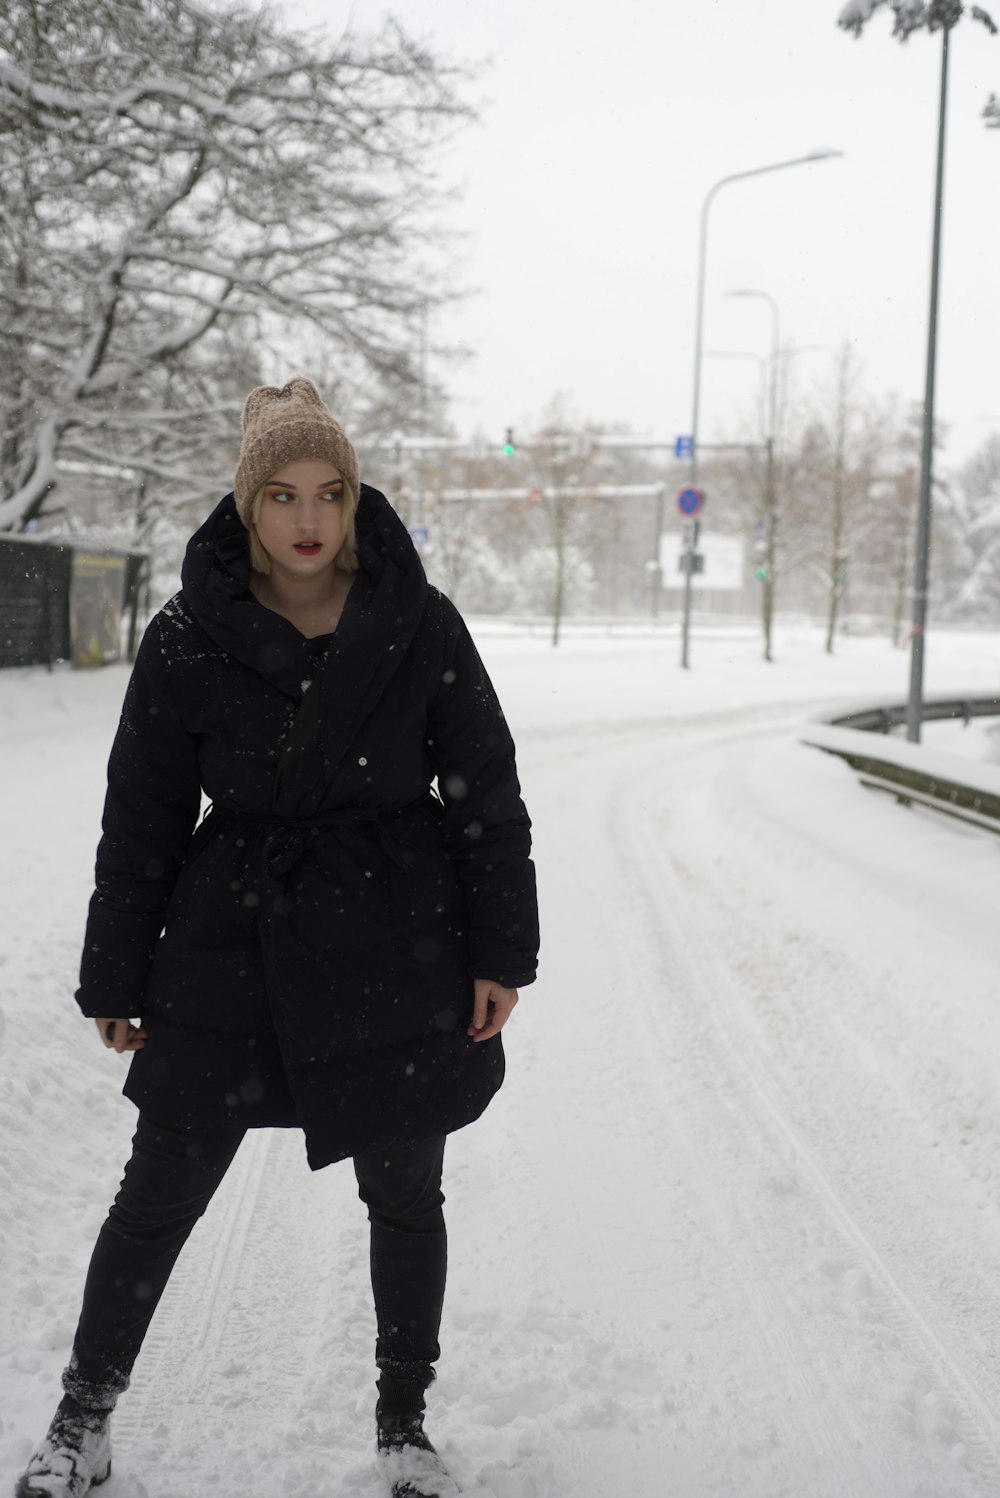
294 834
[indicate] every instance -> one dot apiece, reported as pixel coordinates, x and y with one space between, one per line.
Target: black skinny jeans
169 1182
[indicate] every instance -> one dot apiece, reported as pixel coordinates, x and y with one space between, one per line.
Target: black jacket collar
383 609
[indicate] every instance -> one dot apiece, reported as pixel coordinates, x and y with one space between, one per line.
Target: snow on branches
178 184
912 15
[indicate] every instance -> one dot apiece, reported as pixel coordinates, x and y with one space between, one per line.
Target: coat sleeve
486 826
152 803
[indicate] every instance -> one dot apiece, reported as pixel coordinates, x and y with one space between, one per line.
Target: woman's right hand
121 1035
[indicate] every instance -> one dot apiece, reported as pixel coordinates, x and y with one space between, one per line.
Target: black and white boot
408 1462
73 1456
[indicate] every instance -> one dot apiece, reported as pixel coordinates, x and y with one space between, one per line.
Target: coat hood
383 609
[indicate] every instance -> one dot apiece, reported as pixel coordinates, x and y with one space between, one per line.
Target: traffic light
509 447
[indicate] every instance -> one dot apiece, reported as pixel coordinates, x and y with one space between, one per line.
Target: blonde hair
347 557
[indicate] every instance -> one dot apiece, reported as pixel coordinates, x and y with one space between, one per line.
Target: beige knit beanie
281 426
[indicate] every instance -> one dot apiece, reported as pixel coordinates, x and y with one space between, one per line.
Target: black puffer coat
306 956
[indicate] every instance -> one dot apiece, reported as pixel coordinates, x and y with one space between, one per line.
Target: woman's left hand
492 1009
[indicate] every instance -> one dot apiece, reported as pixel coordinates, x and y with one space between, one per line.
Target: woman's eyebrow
277 484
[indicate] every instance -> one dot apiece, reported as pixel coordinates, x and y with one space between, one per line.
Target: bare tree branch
171 176
912 15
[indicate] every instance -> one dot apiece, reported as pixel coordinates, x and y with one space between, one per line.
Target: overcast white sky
603 127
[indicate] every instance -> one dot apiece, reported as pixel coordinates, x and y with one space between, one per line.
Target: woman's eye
333 494
281 495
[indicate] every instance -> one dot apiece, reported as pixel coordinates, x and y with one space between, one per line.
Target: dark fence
47 610
34 602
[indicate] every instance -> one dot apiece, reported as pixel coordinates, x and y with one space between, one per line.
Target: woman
336 947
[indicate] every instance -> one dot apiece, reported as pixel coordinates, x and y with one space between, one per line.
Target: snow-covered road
732 1226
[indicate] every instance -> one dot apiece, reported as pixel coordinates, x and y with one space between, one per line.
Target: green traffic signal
509 448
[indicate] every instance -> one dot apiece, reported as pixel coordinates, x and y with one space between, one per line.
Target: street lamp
943 16
758 171
915 701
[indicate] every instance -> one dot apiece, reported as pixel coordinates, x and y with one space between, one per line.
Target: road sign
683 447
419 535
722 568
690 501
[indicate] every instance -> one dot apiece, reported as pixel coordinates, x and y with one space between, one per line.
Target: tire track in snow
258 1375
644 1264
948 1381
249 1380
183 1338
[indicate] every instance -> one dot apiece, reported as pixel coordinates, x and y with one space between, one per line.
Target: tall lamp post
757 171
943 16
921 570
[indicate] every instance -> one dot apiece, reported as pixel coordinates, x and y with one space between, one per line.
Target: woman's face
301 524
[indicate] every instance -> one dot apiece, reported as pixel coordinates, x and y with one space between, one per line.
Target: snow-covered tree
177 184
460 556
973 505
779 499
470 569
915 15
551 578
912 15
565 461
882 564
846 442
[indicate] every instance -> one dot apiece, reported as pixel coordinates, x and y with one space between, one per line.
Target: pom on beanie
281 426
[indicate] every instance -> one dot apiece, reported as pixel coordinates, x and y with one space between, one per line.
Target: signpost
690 502
719 562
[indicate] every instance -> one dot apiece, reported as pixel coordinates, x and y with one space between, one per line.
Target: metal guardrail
884 719
960 788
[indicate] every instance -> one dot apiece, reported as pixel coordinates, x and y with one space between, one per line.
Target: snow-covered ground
733 1225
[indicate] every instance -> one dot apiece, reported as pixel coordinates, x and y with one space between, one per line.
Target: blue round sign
690 501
